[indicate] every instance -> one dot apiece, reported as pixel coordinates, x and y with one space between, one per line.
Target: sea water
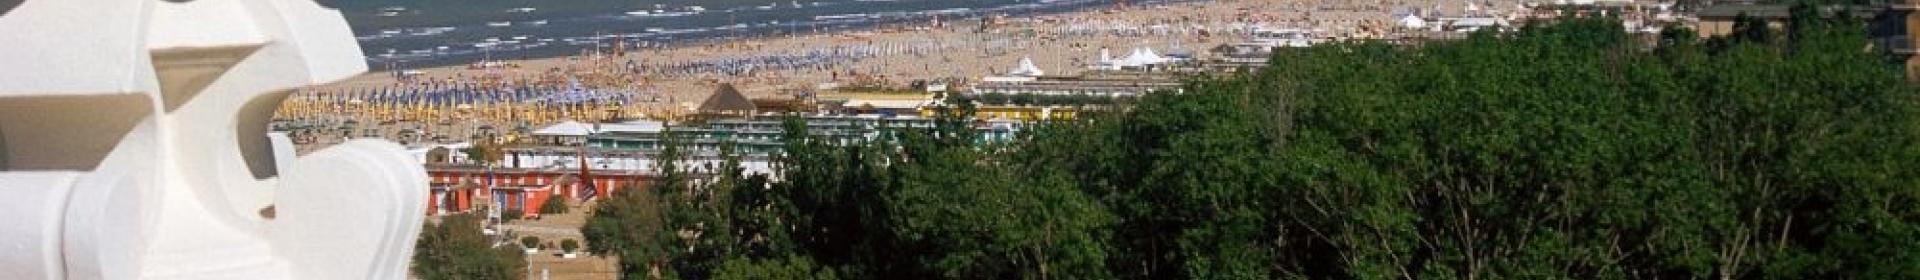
427 33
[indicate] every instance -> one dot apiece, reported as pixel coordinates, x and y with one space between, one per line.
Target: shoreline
708 34
668 82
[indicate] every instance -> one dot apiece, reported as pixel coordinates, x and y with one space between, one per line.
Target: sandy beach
676 78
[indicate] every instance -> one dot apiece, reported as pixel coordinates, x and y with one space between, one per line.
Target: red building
462 188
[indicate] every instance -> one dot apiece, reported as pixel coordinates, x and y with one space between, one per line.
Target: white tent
1027 68
1413 22
565 128
1142 57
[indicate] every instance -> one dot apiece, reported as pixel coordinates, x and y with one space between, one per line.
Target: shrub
569 245
529 242
555 204
510 215
455 249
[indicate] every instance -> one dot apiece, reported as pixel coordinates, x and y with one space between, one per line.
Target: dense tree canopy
1562 151
455 249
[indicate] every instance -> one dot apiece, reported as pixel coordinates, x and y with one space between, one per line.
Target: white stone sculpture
133 143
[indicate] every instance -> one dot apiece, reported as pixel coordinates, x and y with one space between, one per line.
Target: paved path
542 230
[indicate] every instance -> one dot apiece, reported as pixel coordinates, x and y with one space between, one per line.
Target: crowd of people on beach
646 81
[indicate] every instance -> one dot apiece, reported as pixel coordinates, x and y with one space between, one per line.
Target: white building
1284 37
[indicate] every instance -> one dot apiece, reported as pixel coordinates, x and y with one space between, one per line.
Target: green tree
629 225
972 217
792 268
555 204
1566 150
455 249
680 226
640 226
485 152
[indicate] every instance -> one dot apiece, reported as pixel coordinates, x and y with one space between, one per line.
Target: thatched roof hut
727 100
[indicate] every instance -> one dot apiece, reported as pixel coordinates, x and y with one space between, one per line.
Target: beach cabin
565 133
727 101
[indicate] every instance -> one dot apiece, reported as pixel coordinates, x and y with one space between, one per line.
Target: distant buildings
1284 37
1120 85
1720 20
464 188
761 137
1892 26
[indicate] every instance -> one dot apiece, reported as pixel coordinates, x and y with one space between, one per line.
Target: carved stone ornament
133 145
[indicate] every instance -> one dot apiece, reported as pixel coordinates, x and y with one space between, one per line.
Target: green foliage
790 268
530 242
569 245
682 226
555 204
509 215
628 225
635 225
455 249
1560 151
484 152
1592 159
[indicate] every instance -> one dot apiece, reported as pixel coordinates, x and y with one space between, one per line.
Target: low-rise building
467 188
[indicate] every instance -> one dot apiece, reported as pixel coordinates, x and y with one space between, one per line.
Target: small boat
795 4
521 10
500 24
696 9
519 37
655 29
389 14
538 22
639 13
